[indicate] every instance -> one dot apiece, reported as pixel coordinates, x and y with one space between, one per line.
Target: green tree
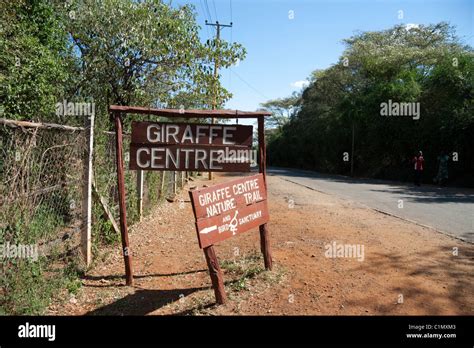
35 59
427 65
282 109
145 53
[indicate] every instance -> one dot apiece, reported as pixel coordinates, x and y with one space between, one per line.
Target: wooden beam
28 124
191 113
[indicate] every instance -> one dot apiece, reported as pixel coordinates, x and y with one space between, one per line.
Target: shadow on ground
417 272
136 276
144 301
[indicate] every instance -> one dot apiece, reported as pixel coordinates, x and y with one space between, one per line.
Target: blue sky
282 51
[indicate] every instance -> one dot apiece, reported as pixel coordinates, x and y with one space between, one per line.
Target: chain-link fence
42 183
41 168
41 188
143 191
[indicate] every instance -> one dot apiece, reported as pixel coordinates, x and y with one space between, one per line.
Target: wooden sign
191 158
225 210
191 133
191 147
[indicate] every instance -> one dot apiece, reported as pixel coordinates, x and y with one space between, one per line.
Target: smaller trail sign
225 210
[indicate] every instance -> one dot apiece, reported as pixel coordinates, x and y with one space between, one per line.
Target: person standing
418 162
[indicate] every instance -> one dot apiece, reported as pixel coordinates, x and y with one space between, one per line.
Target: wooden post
175 189
122 207
264 234
140 194
162 184
216 274
87 192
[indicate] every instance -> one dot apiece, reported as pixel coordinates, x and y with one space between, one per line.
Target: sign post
216 274
200 147
225 210
122 206
264 235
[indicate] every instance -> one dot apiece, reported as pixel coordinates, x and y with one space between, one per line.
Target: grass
245 275
243 269
28 285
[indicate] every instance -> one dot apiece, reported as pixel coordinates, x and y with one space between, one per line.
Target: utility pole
216 65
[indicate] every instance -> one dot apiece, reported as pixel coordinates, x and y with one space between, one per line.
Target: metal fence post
86 245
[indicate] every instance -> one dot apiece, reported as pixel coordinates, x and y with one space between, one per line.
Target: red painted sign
230 208
191 133
191 147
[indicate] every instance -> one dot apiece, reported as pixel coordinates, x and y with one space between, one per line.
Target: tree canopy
108 52
426 64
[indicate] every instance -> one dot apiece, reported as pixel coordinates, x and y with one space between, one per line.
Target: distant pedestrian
418 162
442 177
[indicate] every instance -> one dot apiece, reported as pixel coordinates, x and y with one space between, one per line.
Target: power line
249 85
208 12
215 11
205 16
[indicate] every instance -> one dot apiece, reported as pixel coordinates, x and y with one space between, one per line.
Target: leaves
112 52
426 65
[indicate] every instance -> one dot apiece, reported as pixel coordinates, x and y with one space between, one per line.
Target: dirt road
401 268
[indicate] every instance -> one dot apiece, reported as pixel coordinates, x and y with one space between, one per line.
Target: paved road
449 210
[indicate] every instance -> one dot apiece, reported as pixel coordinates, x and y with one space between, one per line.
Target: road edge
378 210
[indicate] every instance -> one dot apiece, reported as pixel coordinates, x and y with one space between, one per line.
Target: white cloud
410 26
300 84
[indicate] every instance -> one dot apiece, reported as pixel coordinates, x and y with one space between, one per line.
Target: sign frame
116 113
